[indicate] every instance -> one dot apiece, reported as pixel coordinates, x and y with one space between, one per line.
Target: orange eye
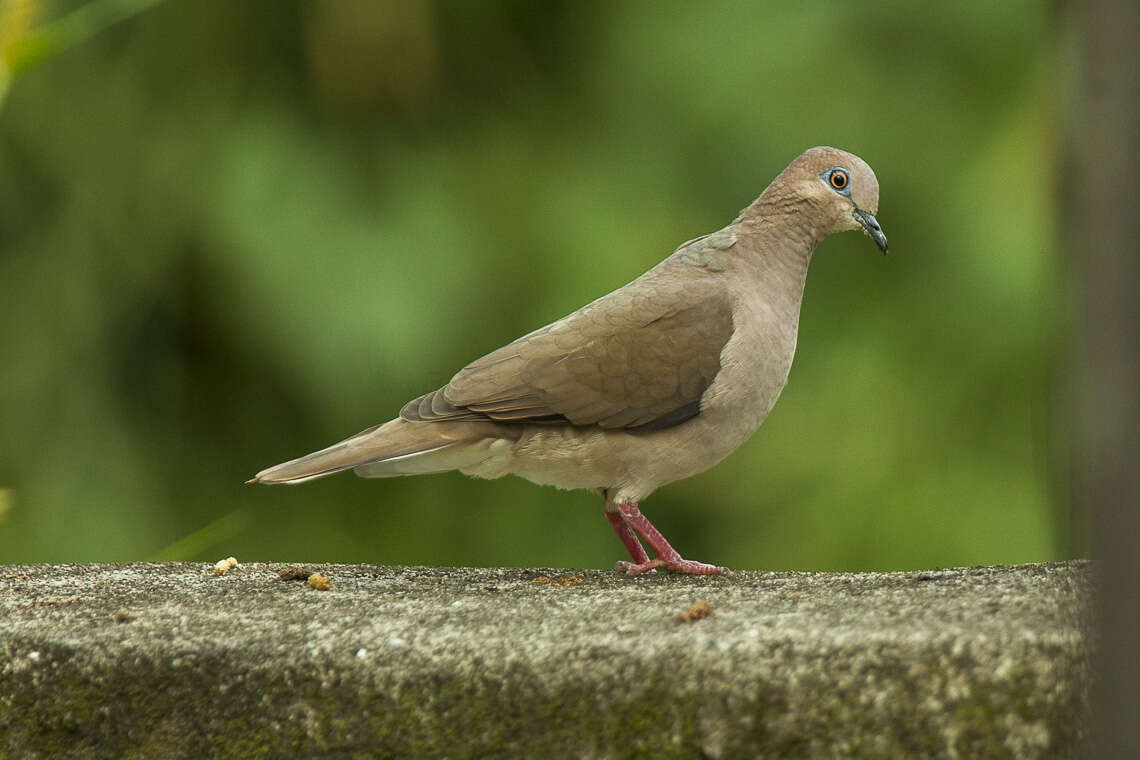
839 179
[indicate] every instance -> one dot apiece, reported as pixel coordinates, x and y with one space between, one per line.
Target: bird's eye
838 179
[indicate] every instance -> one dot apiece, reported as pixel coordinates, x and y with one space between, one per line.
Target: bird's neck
781 232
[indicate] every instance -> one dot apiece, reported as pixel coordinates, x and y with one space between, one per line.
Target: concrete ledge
169 660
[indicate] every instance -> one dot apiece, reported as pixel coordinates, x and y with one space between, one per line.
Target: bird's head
840 187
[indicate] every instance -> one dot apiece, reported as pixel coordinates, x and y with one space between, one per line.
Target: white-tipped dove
657 381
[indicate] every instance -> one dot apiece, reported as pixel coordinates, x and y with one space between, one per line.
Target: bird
654 382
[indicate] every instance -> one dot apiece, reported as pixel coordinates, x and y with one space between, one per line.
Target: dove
654 382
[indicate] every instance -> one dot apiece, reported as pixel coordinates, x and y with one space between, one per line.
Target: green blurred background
232 233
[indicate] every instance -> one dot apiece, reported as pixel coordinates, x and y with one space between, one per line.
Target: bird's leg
628 537
629 520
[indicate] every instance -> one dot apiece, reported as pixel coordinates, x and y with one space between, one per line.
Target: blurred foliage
232 233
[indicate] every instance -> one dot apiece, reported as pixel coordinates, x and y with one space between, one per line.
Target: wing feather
638 359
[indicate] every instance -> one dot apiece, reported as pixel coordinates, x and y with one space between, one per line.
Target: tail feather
398 447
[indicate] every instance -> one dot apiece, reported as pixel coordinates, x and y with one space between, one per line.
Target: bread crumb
48 603
319 582
223 566
698 611
559 580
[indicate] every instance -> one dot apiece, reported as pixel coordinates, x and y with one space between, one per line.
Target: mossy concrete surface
172 661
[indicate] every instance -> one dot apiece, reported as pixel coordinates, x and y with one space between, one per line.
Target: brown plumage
632 360
651 383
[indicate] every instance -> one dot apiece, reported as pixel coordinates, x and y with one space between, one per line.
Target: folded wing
638 359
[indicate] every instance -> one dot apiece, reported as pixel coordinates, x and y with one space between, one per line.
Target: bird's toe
683 566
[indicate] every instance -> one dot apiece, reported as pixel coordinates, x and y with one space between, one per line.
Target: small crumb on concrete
698 611
294 574
123 615
223 566
319 582
49 603
559 580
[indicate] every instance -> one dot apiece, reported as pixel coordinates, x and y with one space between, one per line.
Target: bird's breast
754 364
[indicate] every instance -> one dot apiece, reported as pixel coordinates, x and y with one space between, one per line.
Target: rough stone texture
170 660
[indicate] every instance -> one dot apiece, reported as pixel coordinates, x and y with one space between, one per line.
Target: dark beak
871 224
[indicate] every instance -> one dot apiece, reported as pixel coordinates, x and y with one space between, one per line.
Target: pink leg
628 520
628 537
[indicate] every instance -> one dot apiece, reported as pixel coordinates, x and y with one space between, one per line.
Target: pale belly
630 465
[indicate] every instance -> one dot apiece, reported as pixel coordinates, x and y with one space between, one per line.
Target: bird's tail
398 447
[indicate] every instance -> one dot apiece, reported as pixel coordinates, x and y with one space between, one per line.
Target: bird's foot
679 565
629 523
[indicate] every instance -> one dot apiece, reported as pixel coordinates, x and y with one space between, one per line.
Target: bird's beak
871 224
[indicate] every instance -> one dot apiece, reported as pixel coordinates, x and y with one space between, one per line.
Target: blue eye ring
838 180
